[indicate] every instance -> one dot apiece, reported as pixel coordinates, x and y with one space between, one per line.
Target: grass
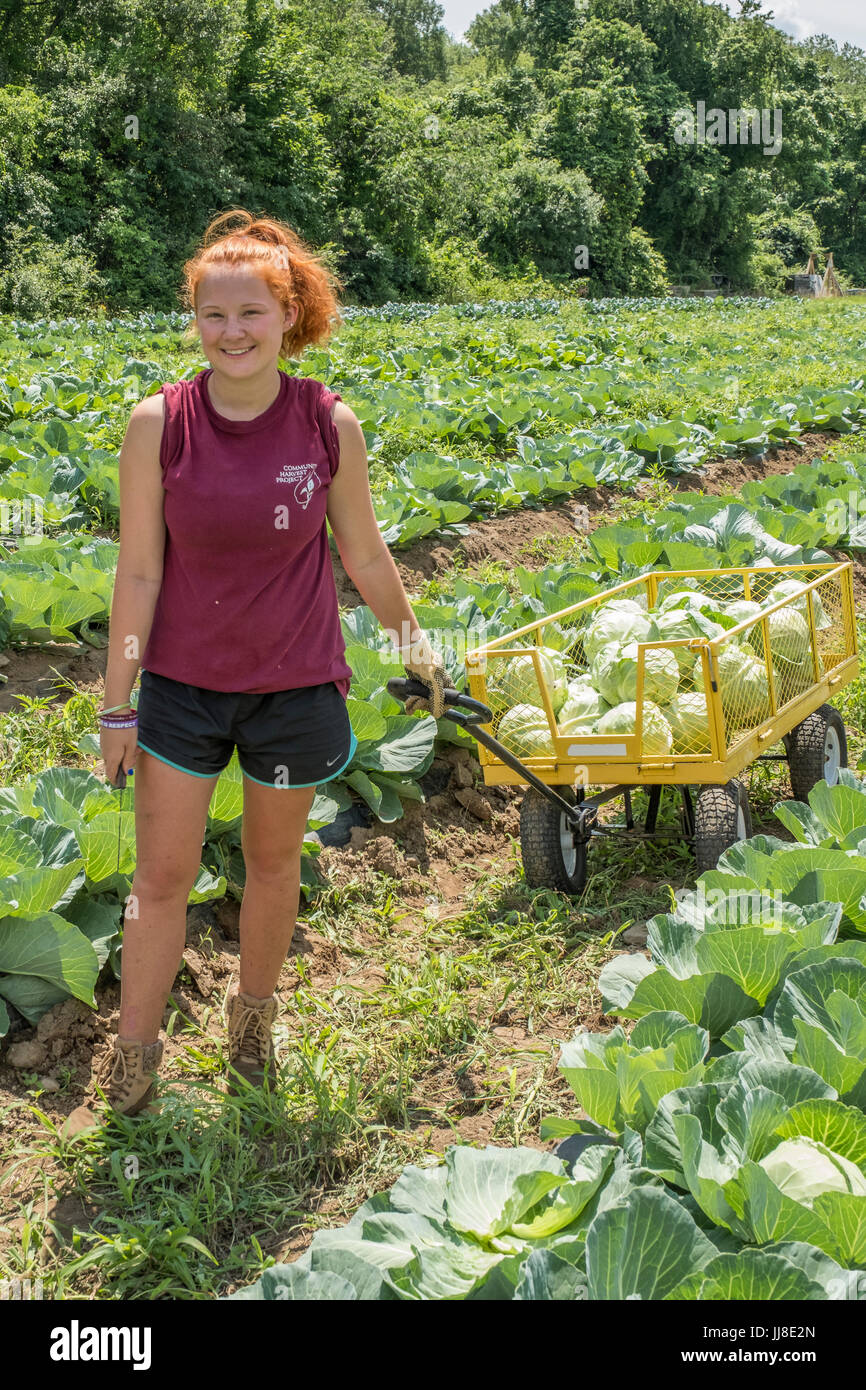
189 1203
41 733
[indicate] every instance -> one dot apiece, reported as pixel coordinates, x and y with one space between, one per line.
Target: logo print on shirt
305 489
305 478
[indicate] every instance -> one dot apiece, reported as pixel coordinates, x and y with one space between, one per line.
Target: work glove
426 665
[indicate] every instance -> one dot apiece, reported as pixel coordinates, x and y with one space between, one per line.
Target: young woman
225 597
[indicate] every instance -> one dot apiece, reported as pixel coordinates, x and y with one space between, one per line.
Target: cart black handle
475 713
472 713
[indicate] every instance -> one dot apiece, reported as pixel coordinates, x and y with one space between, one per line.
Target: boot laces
252 1033
115 1068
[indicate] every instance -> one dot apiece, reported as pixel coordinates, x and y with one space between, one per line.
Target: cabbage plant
717 959
731 1143
803 1168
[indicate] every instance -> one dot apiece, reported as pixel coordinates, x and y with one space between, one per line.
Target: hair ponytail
293 273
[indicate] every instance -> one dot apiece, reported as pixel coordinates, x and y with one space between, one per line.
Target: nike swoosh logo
331 760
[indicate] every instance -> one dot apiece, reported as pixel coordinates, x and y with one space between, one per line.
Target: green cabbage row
724 1153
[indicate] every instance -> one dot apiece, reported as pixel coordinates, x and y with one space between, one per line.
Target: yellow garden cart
740 725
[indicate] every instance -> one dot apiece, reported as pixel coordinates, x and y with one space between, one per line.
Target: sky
843 20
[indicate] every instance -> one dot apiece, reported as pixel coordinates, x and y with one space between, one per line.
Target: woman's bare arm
366 558
142 548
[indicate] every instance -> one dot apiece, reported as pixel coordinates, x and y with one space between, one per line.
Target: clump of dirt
423 849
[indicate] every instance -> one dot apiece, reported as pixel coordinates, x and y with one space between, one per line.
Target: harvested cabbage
685 623
743 686
690 723
792 678
620 621
516 683
614 674
786 588
688 598
788 633
524 729
559 688
622 719
671 587
741 610
804 1168
585 706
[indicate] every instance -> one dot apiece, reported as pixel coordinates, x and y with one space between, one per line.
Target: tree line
562 144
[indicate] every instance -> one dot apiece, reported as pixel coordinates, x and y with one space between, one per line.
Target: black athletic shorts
285 738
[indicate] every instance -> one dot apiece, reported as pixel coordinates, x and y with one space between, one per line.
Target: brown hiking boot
251 1047
127 1075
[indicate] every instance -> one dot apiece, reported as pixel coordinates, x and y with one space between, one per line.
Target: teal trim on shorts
177 765
295 786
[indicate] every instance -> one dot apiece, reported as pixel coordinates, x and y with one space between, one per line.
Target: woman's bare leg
274 823
170 819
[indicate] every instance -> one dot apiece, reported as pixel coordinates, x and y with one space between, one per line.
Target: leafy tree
408 157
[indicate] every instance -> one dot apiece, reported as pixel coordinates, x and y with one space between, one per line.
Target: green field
434 1005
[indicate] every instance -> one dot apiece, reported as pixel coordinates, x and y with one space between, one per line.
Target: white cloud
788 15
843 20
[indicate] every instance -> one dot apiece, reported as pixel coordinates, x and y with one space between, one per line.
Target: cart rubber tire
722 817
816 750
549 858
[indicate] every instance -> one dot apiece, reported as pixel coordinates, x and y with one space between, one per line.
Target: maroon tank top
248 600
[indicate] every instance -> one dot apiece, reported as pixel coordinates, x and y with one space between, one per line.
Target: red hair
294 275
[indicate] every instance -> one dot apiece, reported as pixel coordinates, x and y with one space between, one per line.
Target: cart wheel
816 750
551 859
722 817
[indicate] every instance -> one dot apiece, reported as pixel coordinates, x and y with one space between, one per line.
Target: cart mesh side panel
699 681
795 646
527 684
